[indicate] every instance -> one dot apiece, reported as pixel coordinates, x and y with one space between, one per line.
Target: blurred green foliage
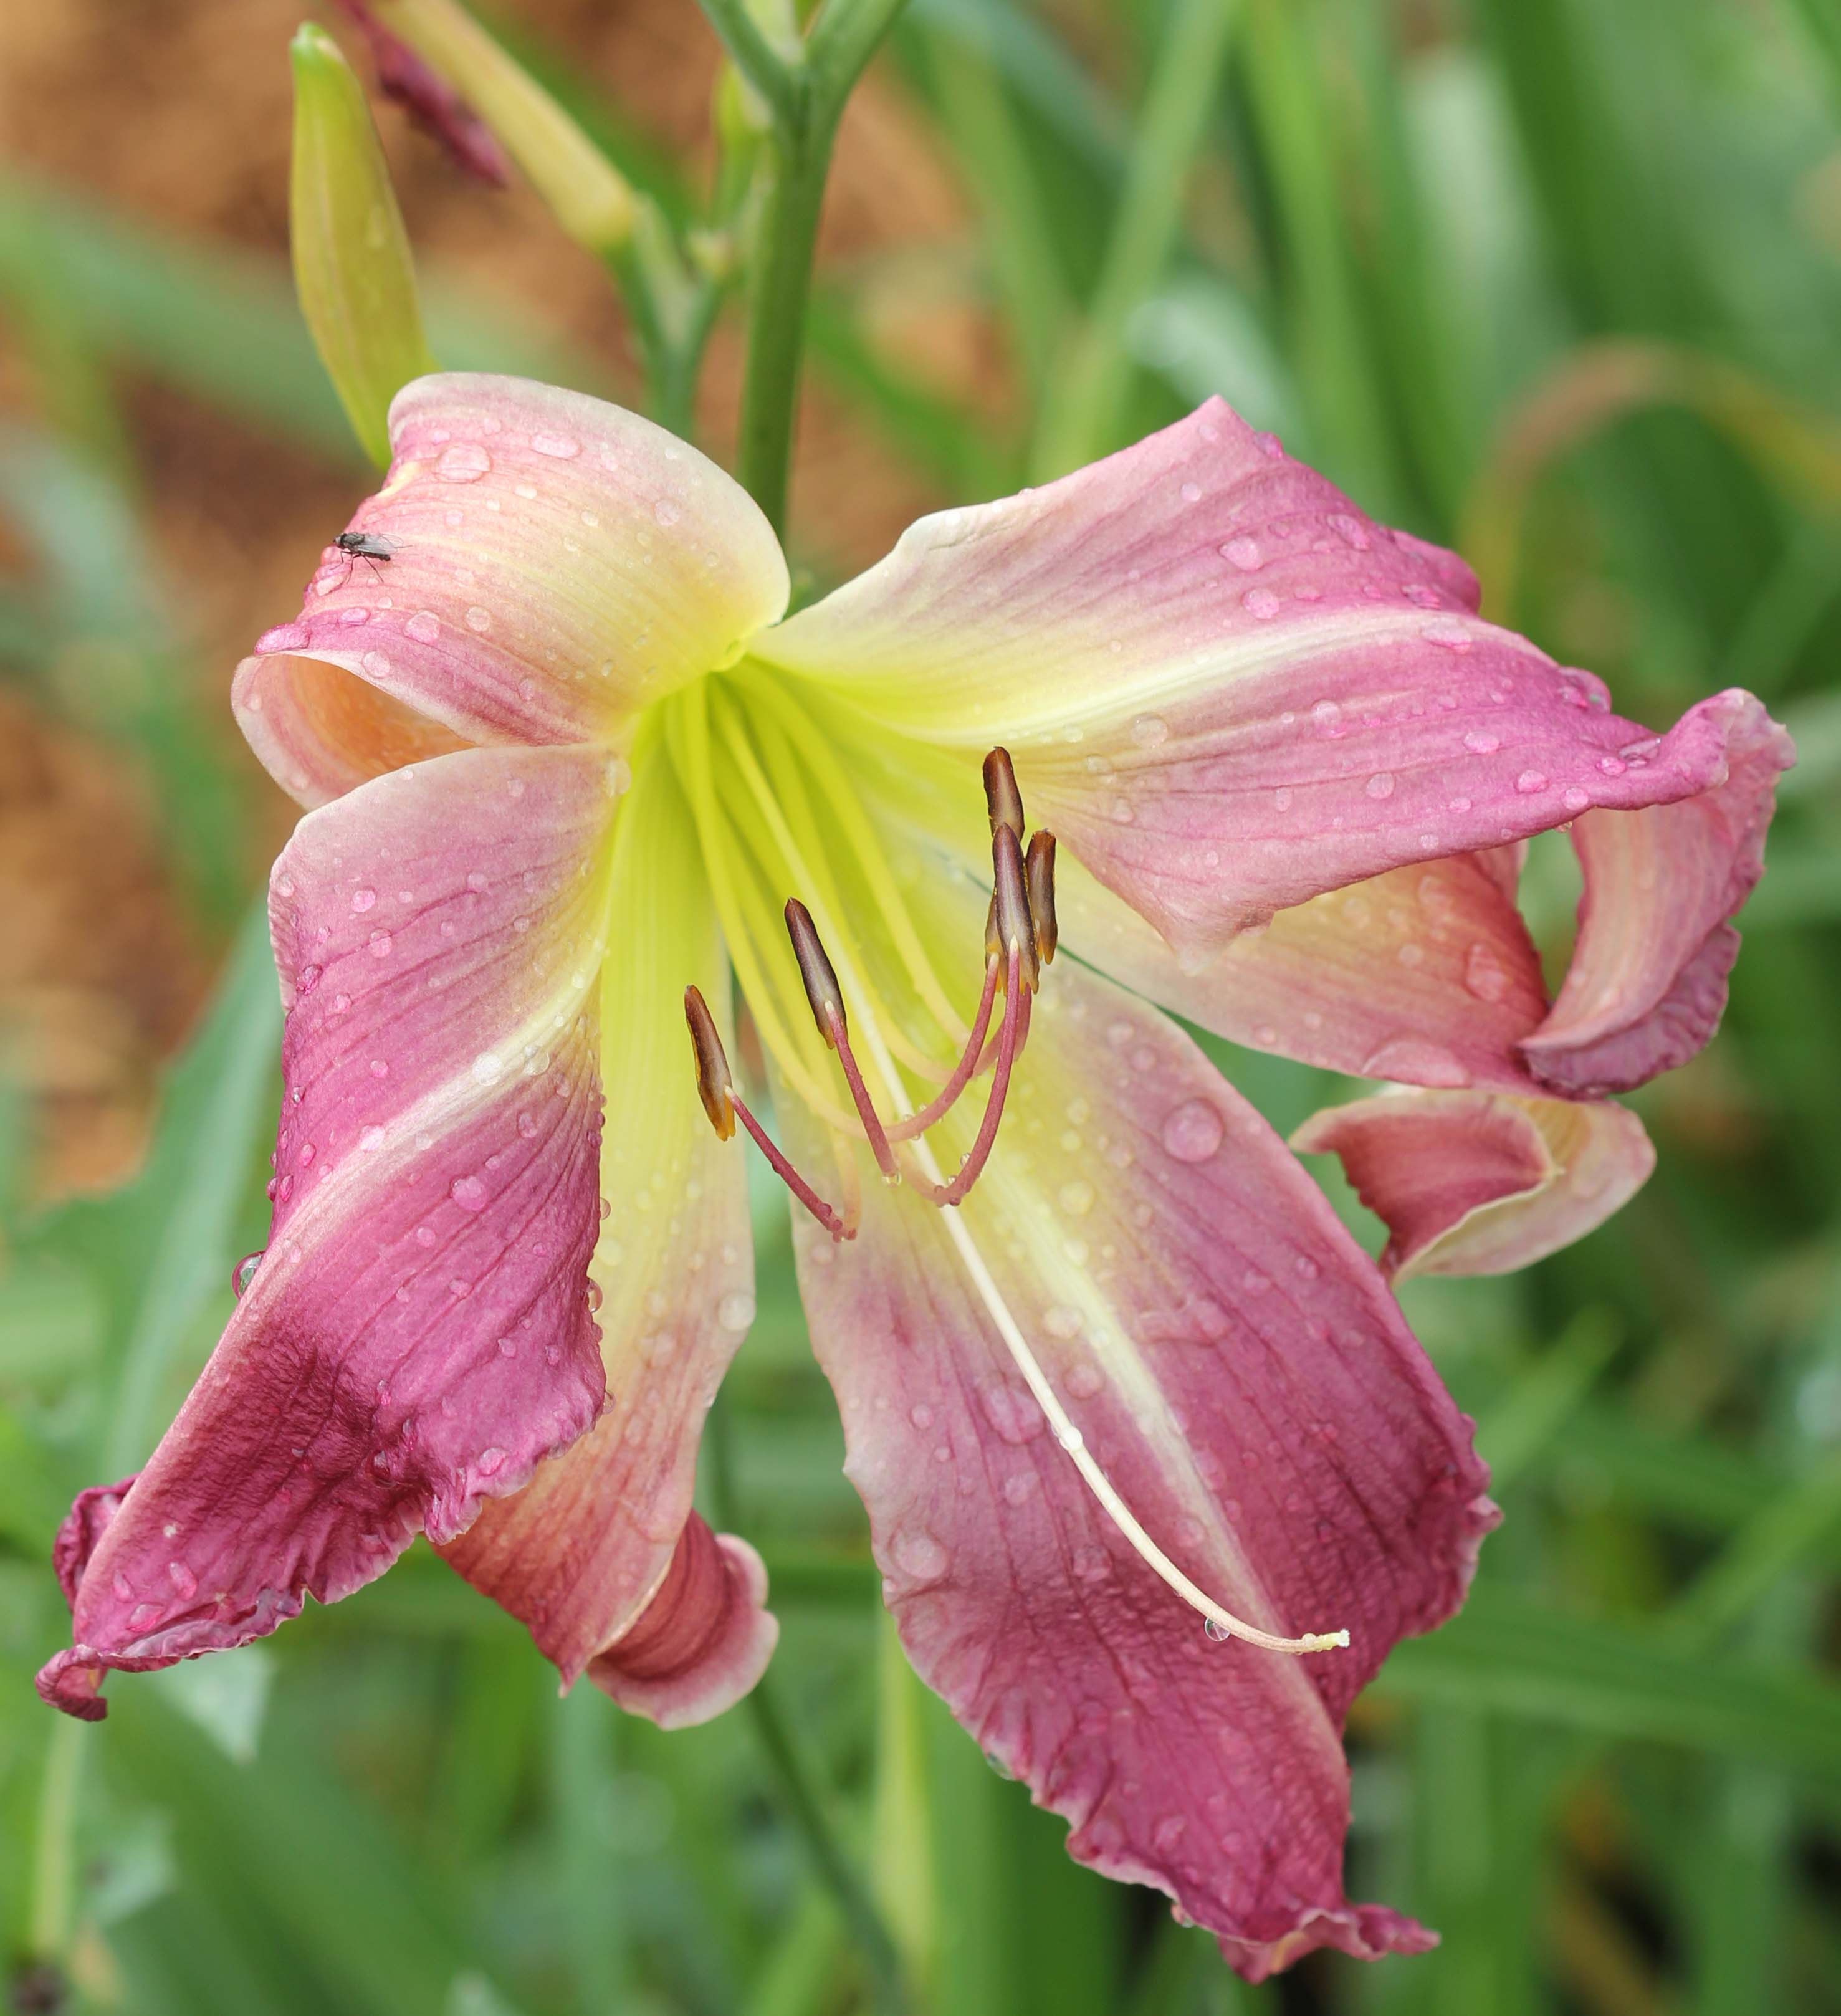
1559 278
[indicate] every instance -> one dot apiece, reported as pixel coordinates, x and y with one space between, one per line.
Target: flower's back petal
577 1554
417 1334
1240 1374
703 1640
319 733
1647 984
1480 1182
555 563
1425 975
1225 688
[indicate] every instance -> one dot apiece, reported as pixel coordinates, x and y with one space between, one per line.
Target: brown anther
713 1081
1002 798
1039 873
1015 928
815 971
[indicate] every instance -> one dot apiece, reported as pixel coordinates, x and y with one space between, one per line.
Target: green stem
798 1780
54 1860
754 56
1079 419
799 157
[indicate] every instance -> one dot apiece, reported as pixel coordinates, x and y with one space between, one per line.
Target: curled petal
702 1641
578 1555
553 562
1425 975
1236 1368
1480 1182
1225 688
1647 985
417 1335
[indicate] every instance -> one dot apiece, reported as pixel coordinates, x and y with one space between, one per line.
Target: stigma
1020 940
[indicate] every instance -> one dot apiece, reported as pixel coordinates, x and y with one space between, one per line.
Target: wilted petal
1477 1183
702 1641
1242 1377
1225 688
434 1203
577 1554
1425 975
555 563
1647 985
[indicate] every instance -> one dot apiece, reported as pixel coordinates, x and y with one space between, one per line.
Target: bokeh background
1558 281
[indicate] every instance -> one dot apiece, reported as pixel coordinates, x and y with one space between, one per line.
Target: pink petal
1425 975
703 1640
1477 1182
417 1335
1225 688
556 564
579 1553
319 733
1238 1369
1647 985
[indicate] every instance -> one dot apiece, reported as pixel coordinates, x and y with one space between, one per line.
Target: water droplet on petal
1484 973
1214 1631
1193 1131
562 448
424 626
1260 602
735 1311
1243 553
469 1193
465 461
1352 531
244 1273
1480 743
1380 784
1448 631
362 899
283 637
1012 1410
919 1555
1148 730
1530 781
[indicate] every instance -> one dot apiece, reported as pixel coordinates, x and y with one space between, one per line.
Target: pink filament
789 1175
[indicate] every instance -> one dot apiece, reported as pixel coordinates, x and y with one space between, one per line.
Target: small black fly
369 546
366 545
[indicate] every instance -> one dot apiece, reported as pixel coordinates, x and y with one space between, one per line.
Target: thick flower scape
1156 1473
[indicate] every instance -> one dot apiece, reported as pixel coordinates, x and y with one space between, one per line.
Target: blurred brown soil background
177 112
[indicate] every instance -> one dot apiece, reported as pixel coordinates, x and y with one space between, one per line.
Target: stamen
971 1060
1011 925
827 1011
1003 800
815 970
723 1103
712 1065
1039 873
1011 1037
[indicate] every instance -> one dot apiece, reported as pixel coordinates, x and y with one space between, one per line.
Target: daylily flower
1123 1370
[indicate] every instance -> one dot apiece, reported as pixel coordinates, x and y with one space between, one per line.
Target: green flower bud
352 269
